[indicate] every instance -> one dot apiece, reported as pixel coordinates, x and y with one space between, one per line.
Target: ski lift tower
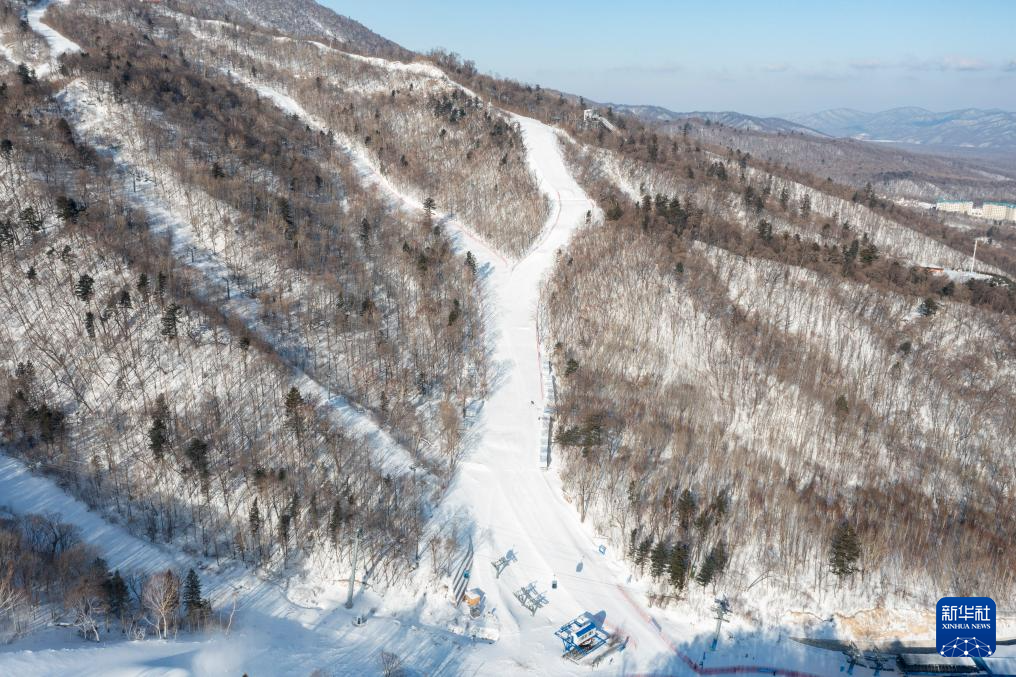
854 656
501 563
722 610
531 598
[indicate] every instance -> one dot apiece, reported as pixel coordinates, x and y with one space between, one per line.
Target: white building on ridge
995 211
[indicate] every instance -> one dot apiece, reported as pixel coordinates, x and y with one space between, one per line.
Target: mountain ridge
988 129
959 128
775 125
299 18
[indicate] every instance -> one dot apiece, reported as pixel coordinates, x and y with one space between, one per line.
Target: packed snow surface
58 44
23 493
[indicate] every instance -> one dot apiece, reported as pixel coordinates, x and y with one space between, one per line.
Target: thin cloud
962 64
869 64
664 69
959 63
827 76
948 63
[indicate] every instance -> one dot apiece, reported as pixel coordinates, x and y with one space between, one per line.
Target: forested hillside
893 172
428 136
750 364
213 329
294 305
757 363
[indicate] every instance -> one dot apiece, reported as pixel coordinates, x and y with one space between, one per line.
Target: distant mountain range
966 128
970 128
729 118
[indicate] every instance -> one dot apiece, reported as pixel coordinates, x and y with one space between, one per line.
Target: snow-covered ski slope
501 494
58 44
501 490
24 493
515 504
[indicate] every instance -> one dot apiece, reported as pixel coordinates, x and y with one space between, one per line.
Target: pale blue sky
754 57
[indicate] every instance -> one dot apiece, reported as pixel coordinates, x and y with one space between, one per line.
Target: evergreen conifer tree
84 287
169 321
429 205
686 508
633 544
679 565
713 565
642 553
158 438
845 550
161 285
197 454
254 519
192 600
117 596
294 411
658 559
335 521
928 307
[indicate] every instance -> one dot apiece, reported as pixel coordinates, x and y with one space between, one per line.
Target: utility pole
973 259
722 608
352 574
416 497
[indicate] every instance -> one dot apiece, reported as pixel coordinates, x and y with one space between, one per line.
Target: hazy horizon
934 55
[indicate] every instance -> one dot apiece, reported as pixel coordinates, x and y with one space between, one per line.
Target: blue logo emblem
965 627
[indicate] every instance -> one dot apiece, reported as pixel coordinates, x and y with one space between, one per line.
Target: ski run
527 541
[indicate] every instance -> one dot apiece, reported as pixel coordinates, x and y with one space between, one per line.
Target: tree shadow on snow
744 651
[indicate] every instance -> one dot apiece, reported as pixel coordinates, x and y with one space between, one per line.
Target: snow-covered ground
58 44
22 493
281 628
502 495
962 276
88 116
7 53
512 503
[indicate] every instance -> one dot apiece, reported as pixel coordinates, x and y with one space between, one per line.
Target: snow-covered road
58 44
